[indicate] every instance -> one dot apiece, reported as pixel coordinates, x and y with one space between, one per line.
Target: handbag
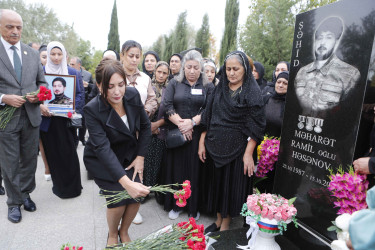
174 138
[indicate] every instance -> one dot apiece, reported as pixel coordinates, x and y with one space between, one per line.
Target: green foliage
203 37
113 36
179 40
95 60
306 5
41 25
158 45
168 43
229 41
267 36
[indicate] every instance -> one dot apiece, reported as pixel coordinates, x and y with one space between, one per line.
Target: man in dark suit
21 73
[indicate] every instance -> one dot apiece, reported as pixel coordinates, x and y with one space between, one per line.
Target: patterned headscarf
157 86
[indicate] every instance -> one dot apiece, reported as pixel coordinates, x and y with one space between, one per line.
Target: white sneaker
47 177
138 219
196 217
173 214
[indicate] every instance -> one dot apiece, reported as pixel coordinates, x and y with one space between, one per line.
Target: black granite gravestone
328 77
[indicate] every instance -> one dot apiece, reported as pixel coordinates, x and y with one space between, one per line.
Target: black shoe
29 205
14 214
2 190
211 228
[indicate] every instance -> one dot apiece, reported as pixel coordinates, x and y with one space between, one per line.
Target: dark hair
333 24
105 70
42 48
59 79
130 44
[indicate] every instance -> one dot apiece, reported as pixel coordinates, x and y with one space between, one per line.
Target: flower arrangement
184 235
180 195
69 247
349 189
272 207
7 112
267 152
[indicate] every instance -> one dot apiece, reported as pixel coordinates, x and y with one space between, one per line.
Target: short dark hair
130 44
333 24
59 79
105 70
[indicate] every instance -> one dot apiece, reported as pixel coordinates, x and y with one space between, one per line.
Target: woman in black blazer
120 132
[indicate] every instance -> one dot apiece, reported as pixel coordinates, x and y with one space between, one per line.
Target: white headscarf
58 69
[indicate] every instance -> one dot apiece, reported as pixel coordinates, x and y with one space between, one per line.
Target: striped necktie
17 63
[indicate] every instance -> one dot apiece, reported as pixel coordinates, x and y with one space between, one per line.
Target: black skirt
180 164
153 161
226 188
116 186
62 158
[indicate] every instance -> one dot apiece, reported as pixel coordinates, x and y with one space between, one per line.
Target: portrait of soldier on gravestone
327 81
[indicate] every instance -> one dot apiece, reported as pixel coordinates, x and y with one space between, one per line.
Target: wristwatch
193 122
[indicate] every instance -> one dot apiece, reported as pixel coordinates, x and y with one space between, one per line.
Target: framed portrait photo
63 89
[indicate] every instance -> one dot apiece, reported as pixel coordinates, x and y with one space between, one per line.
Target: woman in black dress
156 149
119 136
184 102
274 110
150 59
57 137
234 122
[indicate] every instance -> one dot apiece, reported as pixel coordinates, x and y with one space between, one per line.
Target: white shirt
125 120
10 55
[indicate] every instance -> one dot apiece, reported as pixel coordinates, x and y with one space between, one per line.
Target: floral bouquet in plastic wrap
268 216
349 189
267 152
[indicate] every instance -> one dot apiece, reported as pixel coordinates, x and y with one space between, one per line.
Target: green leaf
290 201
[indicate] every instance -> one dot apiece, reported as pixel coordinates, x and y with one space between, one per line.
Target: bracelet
193 122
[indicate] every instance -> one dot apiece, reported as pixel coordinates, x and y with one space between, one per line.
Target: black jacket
111 146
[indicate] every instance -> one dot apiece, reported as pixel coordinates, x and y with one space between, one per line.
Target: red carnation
70 114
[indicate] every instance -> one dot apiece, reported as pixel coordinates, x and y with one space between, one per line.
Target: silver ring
139 172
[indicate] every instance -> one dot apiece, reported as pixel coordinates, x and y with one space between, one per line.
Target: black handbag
174 138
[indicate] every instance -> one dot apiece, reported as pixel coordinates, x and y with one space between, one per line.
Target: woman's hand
185 125
202 152
154 128
44 110
248 164
135 189
138 165
188 135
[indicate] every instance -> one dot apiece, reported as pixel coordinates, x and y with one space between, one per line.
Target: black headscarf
230 121
169 61
260 69
273 74
143 63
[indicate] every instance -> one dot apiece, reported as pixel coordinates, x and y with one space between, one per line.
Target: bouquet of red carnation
180 195
6 114
69 247
184 235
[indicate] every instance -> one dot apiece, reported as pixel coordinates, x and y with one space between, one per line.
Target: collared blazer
32 78
111 146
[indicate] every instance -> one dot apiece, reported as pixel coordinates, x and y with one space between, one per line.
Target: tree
212 52
158 45
180 40
113 36
229 41
203 37
168 43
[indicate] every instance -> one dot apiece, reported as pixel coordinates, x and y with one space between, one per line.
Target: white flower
339 245
342 222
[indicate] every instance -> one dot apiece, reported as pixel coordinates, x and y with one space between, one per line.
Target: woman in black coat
119 136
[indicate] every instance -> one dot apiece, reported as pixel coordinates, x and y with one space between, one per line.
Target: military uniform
63 100
324 88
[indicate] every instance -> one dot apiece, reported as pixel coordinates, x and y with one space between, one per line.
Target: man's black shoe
2 190
14 214
29 205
